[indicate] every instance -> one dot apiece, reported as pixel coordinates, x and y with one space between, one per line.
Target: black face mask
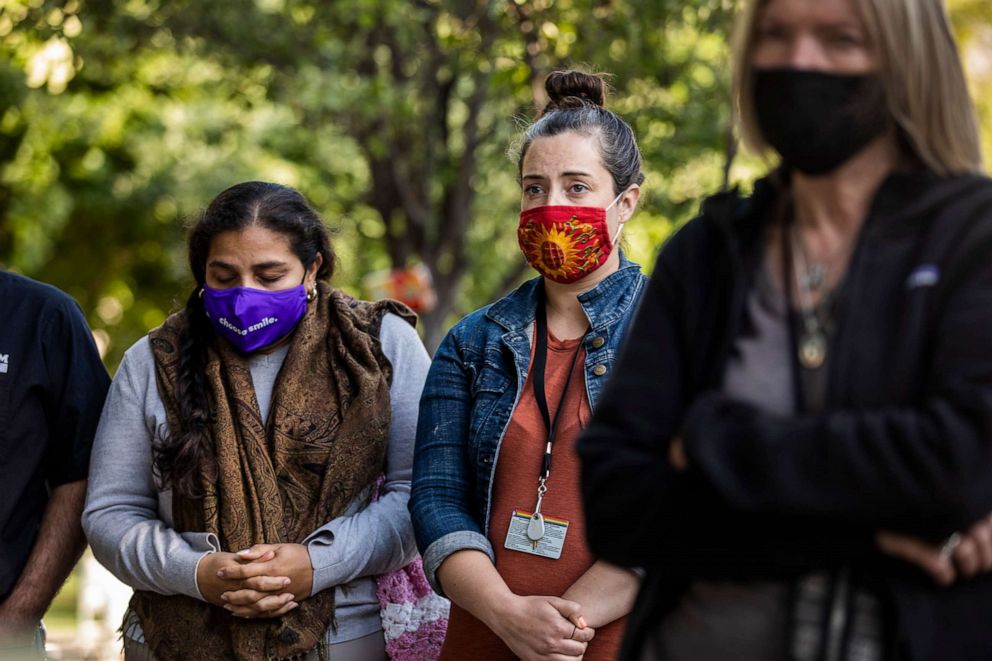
817 120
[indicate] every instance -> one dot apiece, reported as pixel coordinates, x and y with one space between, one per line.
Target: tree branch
532 48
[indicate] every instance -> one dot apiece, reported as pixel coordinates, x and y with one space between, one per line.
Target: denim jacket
471 392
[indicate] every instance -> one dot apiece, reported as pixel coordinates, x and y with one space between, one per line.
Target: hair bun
574 89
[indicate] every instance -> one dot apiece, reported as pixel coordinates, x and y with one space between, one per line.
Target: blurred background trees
119 120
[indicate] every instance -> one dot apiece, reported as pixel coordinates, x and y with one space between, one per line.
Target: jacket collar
604 304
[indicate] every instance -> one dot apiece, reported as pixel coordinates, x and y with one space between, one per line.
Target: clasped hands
538 628
266 580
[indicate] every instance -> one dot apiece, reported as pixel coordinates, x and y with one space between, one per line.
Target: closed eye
772 32
844 40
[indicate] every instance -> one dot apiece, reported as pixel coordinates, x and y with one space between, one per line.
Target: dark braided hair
178 456
577 102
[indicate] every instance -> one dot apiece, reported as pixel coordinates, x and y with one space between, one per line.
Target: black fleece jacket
905 444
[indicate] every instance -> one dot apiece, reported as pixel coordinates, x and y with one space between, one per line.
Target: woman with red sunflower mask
495 500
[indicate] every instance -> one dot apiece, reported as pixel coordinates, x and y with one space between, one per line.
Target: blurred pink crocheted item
414 618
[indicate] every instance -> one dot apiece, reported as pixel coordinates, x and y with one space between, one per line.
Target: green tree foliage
973 25
120 119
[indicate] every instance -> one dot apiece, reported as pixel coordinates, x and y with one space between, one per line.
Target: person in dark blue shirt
52 388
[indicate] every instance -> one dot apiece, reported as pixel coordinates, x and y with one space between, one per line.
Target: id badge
549 546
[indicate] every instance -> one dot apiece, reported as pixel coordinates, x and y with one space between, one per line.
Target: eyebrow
258 267
268 265
843 24
571 173
840 22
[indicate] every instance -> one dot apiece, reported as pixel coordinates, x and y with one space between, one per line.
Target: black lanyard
540 362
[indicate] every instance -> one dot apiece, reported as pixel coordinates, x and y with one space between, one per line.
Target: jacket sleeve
627 483
441 503
925 470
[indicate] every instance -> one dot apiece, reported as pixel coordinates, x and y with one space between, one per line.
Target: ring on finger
949 546
575 628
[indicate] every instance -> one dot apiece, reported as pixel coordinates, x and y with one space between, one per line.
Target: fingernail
244 551
224 596
582 622
293 605
285 581
228 607
220 573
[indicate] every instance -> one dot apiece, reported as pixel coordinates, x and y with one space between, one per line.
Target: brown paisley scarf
323 445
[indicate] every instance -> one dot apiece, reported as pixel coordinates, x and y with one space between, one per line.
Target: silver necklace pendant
816 275
812 349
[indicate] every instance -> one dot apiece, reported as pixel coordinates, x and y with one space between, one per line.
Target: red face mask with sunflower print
565 243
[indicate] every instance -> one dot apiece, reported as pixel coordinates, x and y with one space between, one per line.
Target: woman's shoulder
136 371
702 232
138 356
366 315
475 319
396 326
970 191
399 338
489 322
474 328
733 213
957 223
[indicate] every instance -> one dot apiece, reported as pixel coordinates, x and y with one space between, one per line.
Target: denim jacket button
599 370
597 342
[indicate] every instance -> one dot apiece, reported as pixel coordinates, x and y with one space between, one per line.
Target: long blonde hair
921 72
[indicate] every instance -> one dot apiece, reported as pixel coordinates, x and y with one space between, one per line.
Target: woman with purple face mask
251 470
495 499
796 445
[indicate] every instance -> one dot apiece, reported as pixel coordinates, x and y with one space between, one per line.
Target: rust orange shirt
515 488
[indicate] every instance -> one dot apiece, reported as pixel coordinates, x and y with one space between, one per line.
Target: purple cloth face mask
252 319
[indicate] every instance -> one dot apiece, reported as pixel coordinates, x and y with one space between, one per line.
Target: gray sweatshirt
128 515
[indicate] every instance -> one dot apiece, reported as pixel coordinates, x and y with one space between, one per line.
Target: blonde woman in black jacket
797 440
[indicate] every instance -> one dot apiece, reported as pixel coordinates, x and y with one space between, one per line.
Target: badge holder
532 532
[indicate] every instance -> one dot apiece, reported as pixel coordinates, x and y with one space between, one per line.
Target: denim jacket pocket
488 388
